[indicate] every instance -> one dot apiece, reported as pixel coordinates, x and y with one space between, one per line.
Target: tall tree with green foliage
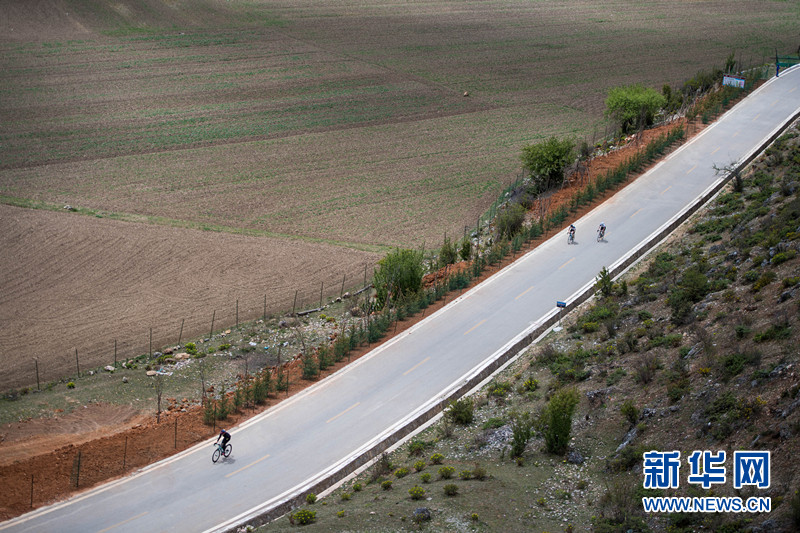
547 160
398 274
633 106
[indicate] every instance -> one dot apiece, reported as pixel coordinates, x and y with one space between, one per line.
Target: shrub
416 447
765 279
530 385
604 283
461 411
437 458
446 472
629 411
311 498
304 517
416 493
546 161
340 514
401 473
773 333
509 221
450 489
346 496
521 431
474 517
630 104
425 477
399 273
310 367
499 388
479 472
387 485
71 385
645 368
558 420
493 423
419 466
191 348
357 487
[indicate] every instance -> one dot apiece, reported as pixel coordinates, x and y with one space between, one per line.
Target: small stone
108 368
575 458
151 373
124 379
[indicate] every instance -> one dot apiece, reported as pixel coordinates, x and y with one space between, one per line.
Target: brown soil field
78 282
339 120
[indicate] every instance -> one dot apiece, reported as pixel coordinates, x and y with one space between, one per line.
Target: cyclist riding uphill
225 437
571 233
601 230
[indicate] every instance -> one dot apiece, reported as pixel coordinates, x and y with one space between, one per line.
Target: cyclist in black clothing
225 437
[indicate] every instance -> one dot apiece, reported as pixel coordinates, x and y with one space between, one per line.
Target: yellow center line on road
665 190
636 213
756 117
716 150
248 466
689 171
343 412
735 134
792 89
123 522
410 370
565 264
473 328
523 293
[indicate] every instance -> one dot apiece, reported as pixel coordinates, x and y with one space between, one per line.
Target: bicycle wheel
215 457
228 450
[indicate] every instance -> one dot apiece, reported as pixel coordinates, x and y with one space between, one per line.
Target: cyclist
225 437
601 231
571 237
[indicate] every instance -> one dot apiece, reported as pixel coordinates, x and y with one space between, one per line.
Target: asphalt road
286 449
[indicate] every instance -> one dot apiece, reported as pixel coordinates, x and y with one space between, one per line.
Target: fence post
237 313
76 468
213 316
320 293
294 305
125 453
180 335
77 364
115 353
176 433
341 292
265 308
151 343
36 362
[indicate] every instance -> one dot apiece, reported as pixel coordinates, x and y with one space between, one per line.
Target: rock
168 351
69 208
421 514
575 458
157 354
598 396
124 379
182 355
169 361
356 312
91 372
109 368
785 295
346 295
151 373
627 440
466 93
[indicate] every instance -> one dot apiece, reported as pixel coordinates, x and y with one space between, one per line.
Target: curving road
300 442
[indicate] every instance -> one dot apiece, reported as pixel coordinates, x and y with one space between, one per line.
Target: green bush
479 472
546 162
629 411
401 472
509 221
425 477
558 420
499 388
310 367
416 493
530 385
357 487
446 472
629 105
419 466
71 385
521 431
461 411
765 279
493 423
465 475
437 458
304 517
387 485
311 498
346 496
450 489
399 274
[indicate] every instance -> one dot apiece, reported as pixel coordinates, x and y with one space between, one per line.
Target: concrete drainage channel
372 450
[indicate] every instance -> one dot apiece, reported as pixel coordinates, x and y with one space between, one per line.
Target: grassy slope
716 374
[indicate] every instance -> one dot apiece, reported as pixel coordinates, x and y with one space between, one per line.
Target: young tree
629 106
547 160
557 420
398 274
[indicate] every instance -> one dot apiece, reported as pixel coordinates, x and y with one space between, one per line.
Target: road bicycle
219 451
570 238
600 234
